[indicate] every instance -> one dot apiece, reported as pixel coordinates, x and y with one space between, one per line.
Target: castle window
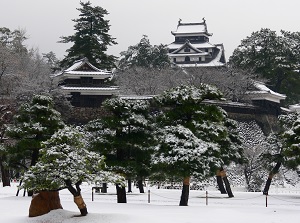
187 59
174 60
86 80
187 49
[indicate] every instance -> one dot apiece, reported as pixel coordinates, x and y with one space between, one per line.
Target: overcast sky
230 21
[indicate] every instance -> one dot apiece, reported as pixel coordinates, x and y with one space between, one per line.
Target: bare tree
232 82
149 81
6 114
256 146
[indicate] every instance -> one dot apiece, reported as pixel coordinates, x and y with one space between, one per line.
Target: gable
188 48
85 67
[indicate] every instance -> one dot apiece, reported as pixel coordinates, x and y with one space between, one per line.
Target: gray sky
230 21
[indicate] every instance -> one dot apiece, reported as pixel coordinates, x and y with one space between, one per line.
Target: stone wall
267 119
81 115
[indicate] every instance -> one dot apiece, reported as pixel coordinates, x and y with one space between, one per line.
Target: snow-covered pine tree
91 38
292 145
200 128
274 57
276 156
34 122
145 55
124 138
65 162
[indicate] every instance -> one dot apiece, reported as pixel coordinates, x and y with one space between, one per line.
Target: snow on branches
64 157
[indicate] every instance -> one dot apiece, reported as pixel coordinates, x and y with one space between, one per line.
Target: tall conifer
91 38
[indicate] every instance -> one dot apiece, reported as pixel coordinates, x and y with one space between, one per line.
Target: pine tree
34 123
91 38
65 162
194 137
291 150
145 55
274 57
124 137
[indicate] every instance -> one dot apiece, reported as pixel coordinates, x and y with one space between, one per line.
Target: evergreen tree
65 162
124 137
291 150
195 138
276 155
91 38
274 57
145 55
13 40
34 123
52 61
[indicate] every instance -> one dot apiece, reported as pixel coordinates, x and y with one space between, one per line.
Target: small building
192 47
86 85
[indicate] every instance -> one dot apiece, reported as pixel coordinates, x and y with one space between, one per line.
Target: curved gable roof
189 45
191 28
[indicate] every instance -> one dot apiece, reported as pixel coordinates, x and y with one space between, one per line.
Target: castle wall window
86 80
187 59
187 49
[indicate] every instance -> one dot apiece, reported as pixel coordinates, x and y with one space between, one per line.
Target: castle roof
184 29
262 92
188 44
92 90
84 68
203 45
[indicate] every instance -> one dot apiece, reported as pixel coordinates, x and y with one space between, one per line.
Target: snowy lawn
283 206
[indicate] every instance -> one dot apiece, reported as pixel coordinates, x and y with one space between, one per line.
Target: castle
192 47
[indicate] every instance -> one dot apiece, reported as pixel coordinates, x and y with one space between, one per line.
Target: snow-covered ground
283 205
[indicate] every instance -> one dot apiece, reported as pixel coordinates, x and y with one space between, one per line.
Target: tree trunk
77 197
220 182
247 175
43 202
141 186
34 158
104 188
121 194
227 186
226 182
129 186
17 194
185 192
4 173
271 174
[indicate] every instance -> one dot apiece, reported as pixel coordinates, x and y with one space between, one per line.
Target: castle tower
192 47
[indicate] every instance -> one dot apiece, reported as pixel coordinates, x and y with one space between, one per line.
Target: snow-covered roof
80 63
295 108
189 45
92 90
204 45
263 92
94 74
74 71
213 63
191 29
136 97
